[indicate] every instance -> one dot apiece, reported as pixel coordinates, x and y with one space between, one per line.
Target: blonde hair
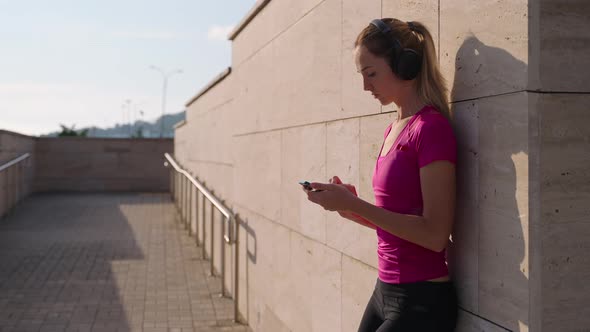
431 85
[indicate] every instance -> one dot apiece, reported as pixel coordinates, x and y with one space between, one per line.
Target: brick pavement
105 262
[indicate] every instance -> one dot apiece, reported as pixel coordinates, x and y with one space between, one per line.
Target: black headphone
405 62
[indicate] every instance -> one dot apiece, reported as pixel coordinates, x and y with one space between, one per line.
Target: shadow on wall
251 254
488 254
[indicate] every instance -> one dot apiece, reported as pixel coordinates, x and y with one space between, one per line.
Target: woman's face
378 78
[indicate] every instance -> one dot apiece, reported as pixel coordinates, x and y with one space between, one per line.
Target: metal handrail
230 238
214 200
15 161
12 198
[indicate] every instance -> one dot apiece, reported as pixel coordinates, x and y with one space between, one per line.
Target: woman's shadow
488 256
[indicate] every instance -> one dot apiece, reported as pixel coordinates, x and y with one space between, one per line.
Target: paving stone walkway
105 262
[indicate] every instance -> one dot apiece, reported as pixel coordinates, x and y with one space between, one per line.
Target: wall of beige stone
95 164
12 146
559 98
293 108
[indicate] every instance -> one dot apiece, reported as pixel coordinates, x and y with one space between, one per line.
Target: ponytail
431 85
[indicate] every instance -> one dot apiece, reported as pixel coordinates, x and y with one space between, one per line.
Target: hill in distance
141 129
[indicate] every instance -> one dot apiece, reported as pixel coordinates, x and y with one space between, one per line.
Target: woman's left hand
332 197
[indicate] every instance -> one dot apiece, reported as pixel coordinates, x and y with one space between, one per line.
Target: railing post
186 192
197 217
177 195
184 185
204 226
171 184
190 210
180 196
212 238
179 199
180 193
186 201
175 187
223 290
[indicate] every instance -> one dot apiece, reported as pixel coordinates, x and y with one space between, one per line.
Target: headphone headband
405 62
382 26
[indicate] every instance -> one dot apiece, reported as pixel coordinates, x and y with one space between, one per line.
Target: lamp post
126 118
165 76
128 102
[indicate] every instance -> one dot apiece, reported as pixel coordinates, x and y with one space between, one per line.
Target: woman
413 182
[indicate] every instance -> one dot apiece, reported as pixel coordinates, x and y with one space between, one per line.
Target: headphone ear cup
408 65
392 64
394 53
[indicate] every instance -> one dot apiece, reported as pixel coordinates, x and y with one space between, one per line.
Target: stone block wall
293 108
559 84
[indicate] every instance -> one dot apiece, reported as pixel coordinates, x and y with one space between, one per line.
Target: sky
87 63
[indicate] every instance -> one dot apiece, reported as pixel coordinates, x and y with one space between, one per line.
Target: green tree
71 132
138 133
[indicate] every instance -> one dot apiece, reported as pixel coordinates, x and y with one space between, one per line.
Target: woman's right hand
349 215
352 189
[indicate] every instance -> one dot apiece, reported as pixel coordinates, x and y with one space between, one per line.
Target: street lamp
165 78
126 116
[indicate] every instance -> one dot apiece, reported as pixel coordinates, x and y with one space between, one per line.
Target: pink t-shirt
427 137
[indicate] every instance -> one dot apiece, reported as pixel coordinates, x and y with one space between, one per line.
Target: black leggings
421 306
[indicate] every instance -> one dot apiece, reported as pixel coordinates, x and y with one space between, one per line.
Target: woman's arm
432 229
356 218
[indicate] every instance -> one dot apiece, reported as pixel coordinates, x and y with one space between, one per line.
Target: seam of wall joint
559 92
311 124
438 35
325 176
341 288
212 108
280 33
341 54
204 161
381 113
485 319
489 96
282 173
517 92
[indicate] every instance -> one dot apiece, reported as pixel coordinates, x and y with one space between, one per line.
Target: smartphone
307 186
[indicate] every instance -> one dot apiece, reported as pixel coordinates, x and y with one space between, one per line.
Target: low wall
97 164
12 146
